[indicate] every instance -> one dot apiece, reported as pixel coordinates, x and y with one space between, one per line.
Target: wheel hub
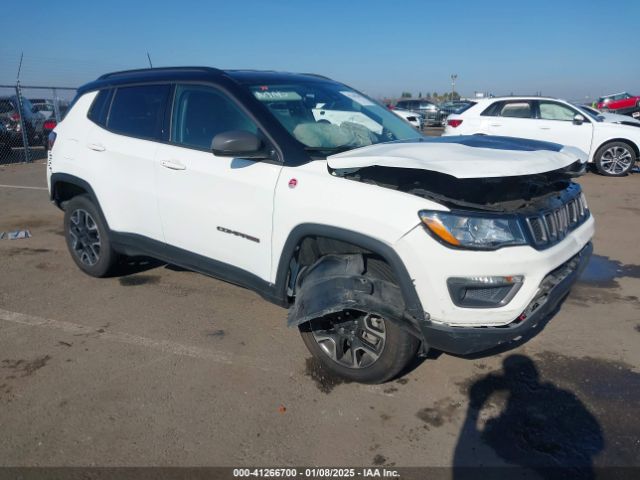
84 237
351 339
616 160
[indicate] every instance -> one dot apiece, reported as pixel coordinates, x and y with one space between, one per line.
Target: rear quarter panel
70 133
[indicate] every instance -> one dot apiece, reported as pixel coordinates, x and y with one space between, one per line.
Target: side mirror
238 143
578 119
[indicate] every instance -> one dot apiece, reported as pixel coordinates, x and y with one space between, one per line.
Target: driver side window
200 113
556 111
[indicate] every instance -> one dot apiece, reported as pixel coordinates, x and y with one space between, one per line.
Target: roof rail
316 75
159 69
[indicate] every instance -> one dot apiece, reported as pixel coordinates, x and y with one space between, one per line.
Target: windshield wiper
341 148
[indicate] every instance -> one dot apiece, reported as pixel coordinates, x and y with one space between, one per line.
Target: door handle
545 128
172 165
495 125
96 147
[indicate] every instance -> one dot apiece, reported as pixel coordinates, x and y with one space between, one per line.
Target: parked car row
430 113
415 119
611 143
39 120
10 118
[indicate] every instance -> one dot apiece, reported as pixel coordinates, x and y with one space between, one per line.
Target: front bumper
553 288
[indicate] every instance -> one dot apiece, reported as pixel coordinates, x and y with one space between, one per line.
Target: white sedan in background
613 147
413 118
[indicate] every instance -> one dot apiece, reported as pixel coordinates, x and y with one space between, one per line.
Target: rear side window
6 106
100 107
139 111
514 109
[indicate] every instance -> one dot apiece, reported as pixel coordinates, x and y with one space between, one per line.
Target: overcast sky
572 49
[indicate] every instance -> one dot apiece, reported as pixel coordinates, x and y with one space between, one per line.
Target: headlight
471 231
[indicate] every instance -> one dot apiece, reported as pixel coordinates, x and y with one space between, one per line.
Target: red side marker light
293 183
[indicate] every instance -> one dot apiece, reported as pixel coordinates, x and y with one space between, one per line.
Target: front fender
336 283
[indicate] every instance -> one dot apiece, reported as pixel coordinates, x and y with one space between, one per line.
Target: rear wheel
615 159
88 238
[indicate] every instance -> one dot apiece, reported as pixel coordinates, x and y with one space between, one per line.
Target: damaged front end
495 194
498 174
484 194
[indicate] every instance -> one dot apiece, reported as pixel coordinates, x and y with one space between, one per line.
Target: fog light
483 291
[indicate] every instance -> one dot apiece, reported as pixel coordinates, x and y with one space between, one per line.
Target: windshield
329 117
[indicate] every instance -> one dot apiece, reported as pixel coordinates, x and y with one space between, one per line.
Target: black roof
197 74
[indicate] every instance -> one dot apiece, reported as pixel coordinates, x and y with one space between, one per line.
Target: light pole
454 76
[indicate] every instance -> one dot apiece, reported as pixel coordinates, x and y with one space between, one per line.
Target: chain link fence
27 115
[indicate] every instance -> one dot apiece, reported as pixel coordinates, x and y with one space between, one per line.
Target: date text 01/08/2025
314 473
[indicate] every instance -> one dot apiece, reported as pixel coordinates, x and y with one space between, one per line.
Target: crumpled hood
470 156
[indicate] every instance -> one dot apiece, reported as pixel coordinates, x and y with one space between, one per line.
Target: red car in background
619 102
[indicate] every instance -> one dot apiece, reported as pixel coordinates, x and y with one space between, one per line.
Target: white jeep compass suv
382 243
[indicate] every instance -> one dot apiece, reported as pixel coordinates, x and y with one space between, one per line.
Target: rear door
122 156
216 207
510 118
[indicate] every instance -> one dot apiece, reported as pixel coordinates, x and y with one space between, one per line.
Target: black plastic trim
137 245
409 294
57 178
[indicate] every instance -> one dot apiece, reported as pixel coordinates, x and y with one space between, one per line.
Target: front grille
550 226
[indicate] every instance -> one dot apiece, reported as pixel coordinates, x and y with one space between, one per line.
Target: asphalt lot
168 367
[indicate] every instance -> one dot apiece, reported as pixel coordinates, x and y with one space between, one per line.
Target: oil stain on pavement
598 283
440 412
136 280
556 411
603 272
24 367
324 380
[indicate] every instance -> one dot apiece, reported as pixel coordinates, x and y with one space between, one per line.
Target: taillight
51 140
454 122
15 116
50 124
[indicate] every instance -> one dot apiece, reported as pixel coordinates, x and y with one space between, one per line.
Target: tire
87 237
615 159
397 350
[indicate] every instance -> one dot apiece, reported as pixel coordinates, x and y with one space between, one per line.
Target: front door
217 207
555 123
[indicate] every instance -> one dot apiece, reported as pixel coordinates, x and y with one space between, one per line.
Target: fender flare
631 143
336 283
80 183
413 306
